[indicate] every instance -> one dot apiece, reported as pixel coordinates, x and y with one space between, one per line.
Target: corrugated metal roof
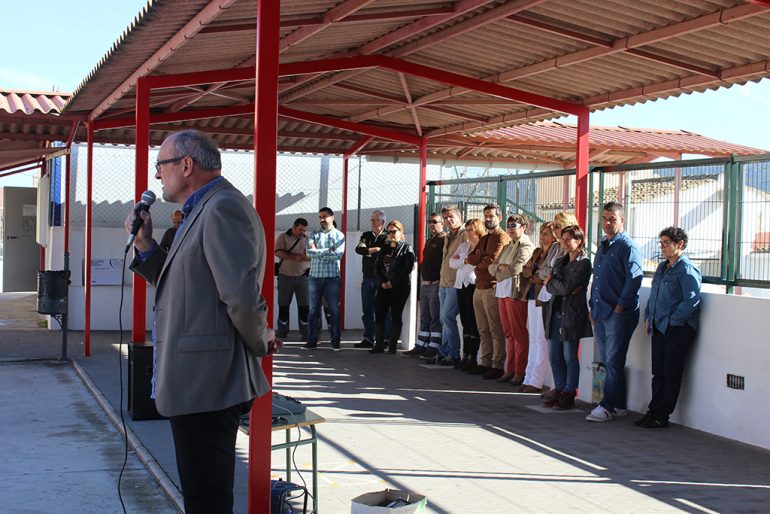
597 53
27 102
29 121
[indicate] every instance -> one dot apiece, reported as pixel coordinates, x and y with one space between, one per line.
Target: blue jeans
329 289
450 334
613 336
563 356
368 290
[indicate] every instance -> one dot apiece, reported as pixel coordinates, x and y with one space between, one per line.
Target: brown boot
566 401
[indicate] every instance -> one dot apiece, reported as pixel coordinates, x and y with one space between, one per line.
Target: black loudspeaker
140 405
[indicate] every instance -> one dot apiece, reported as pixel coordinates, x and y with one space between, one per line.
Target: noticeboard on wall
106 271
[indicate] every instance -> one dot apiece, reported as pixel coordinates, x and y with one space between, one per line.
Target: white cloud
17 79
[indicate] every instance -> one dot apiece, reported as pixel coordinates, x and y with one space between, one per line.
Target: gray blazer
210 318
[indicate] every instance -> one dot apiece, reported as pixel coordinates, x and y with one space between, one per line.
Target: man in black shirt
168 237
368 246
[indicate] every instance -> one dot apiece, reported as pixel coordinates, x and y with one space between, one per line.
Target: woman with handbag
566 318
392 267
535 272
466 285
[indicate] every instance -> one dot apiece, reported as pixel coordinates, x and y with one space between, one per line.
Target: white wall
732 339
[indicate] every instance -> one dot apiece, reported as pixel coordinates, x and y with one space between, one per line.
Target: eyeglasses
392 231
158 164
664 243
556 225
435 222
514 225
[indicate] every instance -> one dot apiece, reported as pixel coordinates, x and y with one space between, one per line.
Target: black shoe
461 363
377 349
493 374
280 334
309 346
336 347
414 352
639 422
364 344
654 423
447 361
428 354
479 370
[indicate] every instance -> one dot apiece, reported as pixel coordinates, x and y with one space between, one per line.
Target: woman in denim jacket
671 317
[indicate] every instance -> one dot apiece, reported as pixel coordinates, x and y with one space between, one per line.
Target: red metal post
139 291
265 147
67 176
348 246
581 168
88 235
423 205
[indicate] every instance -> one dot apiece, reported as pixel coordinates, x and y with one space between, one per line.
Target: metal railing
723 204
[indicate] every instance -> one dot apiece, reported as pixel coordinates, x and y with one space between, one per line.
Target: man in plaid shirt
325 248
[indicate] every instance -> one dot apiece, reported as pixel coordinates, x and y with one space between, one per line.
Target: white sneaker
619 413
599 415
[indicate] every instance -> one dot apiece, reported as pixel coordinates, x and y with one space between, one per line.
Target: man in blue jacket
614 306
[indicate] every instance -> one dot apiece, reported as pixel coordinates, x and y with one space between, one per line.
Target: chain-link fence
723 204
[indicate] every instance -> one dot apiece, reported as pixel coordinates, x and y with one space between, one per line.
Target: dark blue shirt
618 274
675 296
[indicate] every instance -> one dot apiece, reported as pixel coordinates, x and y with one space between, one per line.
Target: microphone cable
294 460
120 375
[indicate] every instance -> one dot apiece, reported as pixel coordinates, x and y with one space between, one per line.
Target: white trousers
537 361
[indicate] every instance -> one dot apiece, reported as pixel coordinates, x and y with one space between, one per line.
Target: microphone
148 198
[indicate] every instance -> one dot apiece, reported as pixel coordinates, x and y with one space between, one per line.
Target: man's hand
647 326
374 249
591 318
144 240
274 344
619 309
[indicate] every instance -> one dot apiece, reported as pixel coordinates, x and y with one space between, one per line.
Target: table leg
288 455
315 467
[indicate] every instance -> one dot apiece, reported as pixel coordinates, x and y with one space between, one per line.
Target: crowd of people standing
522 305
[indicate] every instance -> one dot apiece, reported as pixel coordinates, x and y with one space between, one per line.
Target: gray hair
380 215
200 147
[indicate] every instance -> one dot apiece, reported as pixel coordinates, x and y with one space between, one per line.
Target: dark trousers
669 352
393 300
205 458
468 319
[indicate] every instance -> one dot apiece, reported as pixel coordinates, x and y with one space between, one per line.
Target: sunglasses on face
514 225
392 231
435 222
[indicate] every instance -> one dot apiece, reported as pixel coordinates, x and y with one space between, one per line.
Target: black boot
395 333
379 337
302 317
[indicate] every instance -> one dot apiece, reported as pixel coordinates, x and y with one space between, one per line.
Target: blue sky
54 44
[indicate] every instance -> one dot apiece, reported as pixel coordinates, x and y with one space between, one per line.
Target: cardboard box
369 503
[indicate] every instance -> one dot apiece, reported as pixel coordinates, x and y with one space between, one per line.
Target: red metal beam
406 32
339 12
358 146
170 117
429 73
88 239
347 125
581 169
265 137
37 166
186 33
67 190
408 105
577 36
142 152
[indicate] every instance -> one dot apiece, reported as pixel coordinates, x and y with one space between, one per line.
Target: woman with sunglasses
466 285
394 263
671 318
566 316
535 272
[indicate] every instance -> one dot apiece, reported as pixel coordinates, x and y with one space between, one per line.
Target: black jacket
570 283
369 240
401 265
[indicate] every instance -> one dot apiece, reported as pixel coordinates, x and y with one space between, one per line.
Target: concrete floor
469 445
